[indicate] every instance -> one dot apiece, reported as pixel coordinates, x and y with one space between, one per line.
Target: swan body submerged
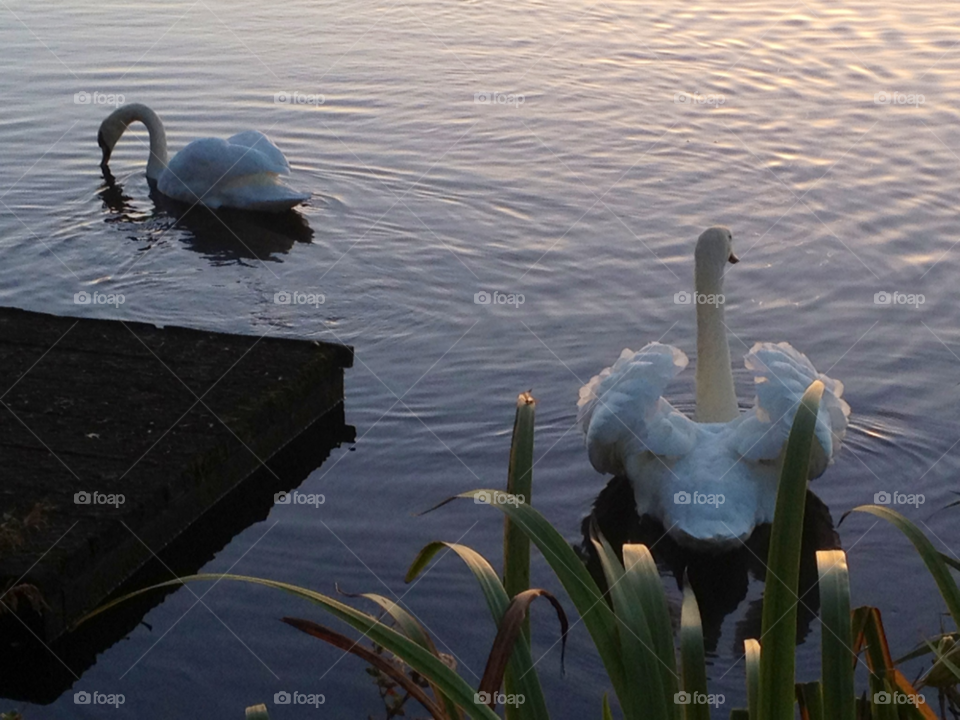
712 479
241 172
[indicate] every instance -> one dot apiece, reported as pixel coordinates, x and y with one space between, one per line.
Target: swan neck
158 149
716 398
136 112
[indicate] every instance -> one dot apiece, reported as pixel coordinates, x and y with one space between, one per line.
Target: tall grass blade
779 636
881 711
510 633
388 668
404 620
836 645
516 545
534 706
810 700
418 658
884 676
751 649
692 660
641 664
952 562
933 560
415 631
645 579
575 578
870 637
607 712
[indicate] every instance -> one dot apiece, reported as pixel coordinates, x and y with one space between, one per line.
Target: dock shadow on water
225 236
180 457
30 672
720 581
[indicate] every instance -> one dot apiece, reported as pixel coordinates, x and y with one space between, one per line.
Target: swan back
272 158
241 172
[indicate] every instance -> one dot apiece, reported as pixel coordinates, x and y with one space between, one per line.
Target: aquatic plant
630 624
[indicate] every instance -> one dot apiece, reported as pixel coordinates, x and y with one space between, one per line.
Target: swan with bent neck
241 172
713 479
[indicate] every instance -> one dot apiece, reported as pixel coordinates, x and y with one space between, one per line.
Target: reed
630 624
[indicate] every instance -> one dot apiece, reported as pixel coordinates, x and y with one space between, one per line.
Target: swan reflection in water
225 236
720 581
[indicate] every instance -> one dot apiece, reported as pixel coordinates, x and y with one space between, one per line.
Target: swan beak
733 259
106 150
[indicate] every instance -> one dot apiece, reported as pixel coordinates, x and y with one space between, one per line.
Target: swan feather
631 429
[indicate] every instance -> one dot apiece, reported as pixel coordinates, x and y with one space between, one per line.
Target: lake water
826 137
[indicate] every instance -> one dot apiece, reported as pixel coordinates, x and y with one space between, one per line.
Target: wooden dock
116 437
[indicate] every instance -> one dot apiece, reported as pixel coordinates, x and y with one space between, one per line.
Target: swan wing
212 160
241 172
621 411
256 140
782 375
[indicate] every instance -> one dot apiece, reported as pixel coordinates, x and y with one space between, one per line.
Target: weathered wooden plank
170 419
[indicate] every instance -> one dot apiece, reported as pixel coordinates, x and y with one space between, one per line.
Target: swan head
117 122
110 131
715 250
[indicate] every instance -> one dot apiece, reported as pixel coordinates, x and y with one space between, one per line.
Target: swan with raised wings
712 479
241 172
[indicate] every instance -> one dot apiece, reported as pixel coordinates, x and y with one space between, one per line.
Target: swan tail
261 192
708 500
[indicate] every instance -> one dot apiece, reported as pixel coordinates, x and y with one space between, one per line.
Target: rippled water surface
827 137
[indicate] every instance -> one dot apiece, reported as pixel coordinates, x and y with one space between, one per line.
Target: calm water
586 198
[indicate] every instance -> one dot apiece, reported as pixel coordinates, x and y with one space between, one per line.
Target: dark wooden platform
172 419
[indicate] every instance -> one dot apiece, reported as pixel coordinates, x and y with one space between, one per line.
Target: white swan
711 480
240 172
